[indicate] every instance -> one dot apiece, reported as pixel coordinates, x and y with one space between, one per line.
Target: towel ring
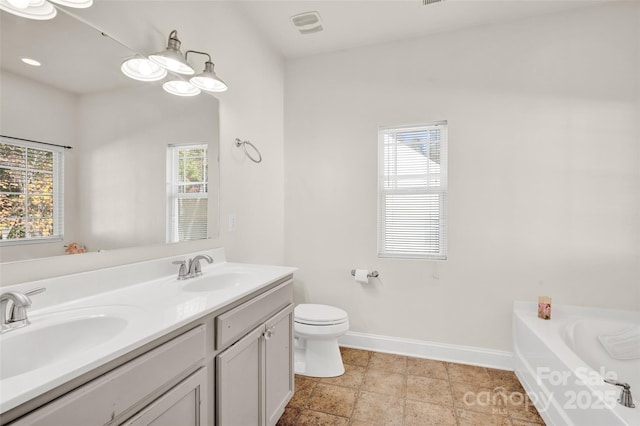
244 146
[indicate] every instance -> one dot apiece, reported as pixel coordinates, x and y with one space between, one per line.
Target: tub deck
561 367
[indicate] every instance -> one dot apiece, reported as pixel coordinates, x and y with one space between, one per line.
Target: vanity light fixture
180 88
143 69
156 66
171 58
207 79
39 9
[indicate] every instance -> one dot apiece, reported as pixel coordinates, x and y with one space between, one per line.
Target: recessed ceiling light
31 62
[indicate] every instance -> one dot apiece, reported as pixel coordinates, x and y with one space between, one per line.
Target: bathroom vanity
214 349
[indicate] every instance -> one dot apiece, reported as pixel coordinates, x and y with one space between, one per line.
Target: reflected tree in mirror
28 192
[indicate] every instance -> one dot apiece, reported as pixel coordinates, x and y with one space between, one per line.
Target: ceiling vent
307 22
428 2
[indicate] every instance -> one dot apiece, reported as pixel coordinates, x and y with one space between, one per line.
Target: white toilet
316 331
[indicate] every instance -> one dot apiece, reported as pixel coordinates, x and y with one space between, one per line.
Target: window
412 190
31 193
187 190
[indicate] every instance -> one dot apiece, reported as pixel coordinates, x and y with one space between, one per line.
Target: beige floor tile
379 409
352 377
424 413
385 382
517 422
384 389
388 362
429 390
505 379
471 397
472 418
303 389
463 373
521 407
427 367
314 418
336 400
289 416
355 356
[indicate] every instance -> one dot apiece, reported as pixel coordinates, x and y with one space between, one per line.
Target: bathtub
561 364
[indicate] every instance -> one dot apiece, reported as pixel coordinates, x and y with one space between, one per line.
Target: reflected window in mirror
187 192
31 193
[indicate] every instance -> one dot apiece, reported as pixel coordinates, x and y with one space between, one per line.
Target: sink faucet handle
182 273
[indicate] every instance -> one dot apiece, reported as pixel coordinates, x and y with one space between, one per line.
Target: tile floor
385 389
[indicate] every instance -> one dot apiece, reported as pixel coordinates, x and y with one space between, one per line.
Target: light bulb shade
79 4
171 58
181 88
143 69
208 80
31 9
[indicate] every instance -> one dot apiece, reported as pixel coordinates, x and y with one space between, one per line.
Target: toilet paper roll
361 276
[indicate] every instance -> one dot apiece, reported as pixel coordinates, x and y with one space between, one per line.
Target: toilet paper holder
372 274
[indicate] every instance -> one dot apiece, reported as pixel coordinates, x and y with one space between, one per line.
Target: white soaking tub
561 364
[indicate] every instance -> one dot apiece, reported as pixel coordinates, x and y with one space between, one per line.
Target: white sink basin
57 336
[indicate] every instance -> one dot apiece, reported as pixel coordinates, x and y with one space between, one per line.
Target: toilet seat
314 314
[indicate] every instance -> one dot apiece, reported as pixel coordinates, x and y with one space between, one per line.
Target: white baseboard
440 351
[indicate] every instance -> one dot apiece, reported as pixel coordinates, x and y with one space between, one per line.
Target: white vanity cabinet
230 367
146 385
254 375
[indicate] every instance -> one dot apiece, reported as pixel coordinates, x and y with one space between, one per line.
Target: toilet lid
319 314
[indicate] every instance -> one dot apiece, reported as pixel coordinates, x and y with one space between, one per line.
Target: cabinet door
278 342
184 404
238 392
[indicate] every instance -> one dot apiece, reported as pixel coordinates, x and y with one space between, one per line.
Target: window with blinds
187 192
31 193
412 190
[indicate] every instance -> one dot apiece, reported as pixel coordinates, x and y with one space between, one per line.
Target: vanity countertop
128 317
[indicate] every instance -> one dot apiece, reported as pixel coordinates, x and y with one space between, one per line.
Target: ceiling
347 24
354 23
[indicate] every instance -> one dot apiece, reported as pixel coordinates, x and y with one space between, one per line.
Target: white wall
544 163
251 109
24 102
123 162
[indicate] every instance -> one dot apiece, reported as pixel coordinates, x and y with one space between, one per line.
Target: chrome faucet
194 264
15 316
194 269
625 396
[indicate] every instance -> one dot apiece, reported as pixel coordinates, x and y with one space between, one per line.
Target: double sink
63 341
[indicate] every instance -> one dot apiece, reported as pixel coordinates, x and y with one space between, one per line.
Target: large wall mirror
115 175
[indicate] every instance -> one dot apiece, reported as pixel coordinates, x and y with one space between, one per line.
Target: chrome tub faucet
625 395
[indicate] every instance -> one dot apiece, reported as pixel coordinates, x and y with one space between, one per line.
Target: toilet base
318 358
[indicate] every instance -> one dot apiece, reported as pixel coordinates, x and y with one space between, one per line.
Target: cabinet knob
269 333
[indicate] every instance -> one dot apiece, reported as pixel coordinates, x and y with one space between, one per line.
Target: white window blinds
31 193
187 192
412 190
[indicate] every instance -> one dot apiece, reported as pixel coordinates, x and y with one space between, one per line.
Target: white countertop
151 309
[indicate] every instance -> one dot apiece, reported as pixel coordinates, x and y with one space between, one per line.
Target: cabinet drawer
235 323
107 397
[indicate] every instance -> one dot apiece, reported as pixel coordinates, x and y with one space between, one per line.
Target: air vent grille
428 2
307 22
